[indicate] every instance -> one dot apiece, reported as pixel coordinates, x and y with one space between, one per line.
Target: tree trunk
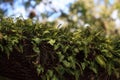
17 67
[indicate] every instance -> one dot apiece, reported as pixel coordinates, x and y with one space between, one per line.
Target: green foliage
63 55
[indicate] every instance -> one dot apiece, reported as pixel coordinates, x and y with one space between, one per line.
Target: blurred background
79 11
40 9
105 13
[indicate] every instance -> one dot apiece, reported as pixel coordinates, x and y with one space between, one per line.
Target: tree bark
17 67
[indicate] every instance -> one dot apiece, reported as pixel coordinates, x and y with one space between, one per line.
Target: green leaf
40 69
45 32
1 47
101 61
51 42
93 67
77 75
36 40
56 46
107 53
14 41
50 73
61 56
83 65
66 63
76 50
109 68
36 49
65 48
54 78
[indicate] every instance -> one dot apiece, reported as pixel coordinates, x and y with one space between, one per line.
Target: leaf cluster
62 54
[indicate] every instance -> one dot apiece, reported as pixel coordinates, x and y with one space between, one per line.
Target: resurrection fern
51 53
